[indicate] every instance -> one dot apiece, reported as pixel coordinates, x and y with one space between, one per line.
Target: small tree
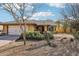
20 12
71 12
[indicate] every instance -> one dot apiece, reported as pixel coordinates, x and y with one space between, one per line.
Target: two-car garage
14 29
10 29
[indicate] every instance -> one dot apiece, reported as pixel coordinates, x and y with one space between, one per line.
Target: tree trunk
47 38
48 41
24 38
23 33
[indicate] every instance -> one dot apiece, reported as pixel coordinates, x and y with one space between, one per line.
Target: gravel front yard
40 48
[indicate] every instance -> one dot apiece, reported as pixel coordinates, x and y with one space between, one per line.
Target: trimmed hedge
37 35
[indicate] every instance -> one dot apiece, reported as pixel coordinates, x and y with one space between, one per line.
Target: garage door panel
14 30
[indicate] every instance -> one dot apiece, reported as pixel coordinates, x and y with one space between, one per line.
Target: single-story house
13 28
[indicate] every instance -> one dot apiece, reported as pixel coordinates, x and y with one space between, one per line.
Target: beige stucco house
13 28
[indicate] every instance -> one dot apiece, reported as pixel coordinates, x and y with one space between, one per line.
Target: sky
45 11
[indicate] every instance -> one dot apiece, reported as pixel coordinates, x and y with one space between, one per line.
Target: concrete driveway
7 39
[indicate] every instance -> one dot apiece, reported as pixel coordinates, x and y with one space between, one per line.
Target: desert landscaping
63 45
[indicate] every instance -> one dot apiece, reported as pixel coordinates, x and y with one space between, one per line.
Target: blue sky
45 11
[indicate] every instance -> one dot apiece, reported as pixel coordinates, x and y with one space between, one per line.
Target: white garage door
14 30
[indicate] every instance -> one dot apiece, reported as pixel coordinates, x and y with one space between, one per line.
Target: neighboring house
13 28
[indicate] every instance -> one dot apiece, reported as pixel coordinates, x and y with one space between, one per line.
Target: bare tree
71 12
20 12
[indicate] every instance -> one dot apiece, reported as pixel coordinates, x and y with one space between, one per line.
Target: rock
53 45
71 40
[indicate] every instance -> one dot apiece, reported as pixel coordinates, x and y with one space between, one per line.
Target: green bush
48 34
36 35
76 35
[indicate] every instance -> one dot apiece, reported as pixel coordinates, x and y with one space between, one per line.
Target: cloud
38 15
71 17
58 5
33 18
43 14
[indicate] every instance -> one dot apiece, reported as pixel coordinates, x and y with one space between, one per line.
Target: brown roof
37 22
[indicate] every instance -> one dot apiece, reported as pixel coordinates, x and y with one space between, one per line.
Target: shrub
48 34
33 36
36 35
76 35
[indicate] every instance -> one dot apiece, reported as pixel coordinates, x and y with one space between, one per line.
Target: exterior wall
54 29
1 27
30 27
59 29
5 29
45 28
27 28
68 30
